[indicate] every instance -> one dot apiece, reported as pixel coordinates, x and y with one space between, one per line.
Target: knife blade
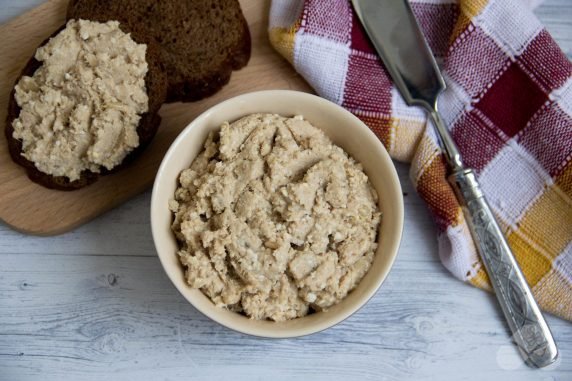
414 71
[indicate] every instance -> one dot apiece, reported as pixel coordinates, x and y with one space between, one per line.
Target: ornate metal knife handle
530 331
396 36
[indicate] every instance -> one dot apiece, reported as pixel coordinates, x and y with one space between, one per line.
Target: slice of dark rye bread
156 85
201 41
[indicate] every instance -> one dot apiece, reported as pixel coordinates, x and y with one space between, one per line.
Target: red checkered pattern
509 109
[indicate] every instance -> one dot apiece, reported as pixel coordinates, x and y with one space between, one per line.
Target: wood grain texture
33 209
95 304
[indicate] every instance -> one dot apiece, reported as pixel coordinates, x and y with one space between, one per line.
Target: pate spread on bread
78 109
155 87
81 108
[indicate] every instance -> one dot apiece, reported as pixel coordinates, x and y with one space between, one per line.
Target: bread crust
198 61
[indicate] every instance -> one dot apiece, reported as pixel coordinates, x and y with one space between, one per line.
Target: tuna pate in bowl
277 213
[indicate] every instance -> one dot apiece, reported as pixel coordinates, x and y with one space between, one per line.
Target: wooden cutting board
33 209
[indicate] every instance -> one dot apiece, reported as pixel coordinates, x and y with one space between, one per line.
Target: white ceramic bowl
346 131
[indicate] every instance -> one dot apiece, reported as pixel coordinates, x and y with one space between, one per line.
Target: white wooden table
95 304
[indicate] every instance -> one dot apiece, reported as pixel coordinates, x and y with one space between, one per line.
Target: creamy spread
273 220
81 108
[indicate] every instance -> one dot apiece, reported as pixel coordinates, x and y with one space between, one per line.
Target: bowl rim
342 315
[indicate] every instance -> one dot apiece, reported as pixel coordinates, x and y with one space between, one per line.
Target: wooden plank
82 312
33 209
114 316
117 310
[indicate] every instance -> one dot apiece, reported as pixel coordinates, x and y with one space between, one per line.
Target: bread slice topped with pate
85 104
201 41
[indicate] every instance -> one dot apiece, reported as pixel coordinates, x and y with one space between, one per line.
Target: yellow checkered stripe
540 242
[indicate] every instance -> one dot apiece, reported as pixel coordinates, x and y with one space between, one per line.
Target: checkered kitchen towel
508 105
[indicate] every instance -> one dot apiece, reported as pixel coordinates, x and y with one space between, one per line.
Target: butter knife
395 34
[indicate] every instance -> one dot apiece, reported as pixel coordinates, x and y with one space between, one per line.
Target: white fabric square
424 155
401 110
453 102
431 133
512 181
563 96
458 253
324 64
563 263
284 13
511 27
